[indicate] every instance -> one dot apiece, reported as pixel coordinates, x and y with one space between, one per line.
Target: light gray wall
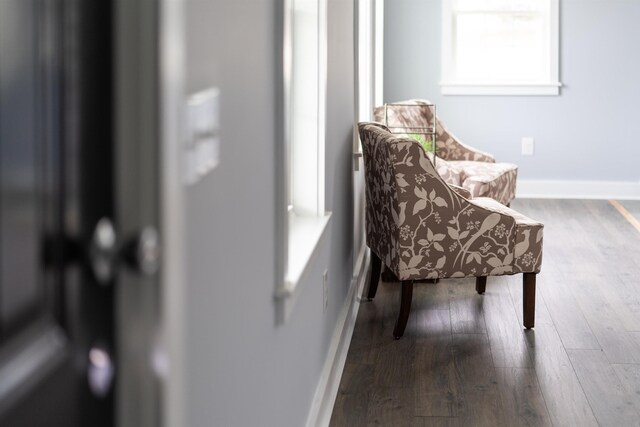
242 369
590 132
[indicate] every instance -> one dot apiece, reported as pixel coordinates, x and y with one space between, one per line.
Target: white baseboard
325 397
621 190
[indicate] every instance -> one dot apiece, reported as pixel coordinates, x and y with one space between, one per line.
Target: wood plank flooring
465 359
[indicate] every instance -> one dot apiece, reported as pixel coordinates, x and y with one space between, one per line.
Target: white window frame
369 64
304 219
369 42
449 86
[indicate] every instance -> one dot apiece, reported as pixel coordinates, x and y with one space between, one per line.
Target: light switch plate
202 149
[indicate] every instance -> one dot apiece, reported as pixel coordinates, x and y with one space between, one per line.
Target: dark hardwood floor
465 359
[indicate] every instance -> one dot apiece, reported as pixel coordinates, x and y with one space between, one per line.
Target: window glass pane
304 87
305 105
505 47
365 60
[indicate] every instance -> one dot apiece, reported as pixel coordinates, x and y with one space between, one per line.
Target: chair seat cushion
529 233
495 180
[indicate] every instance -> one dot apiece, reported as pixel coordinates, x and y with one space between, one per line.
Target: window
365 61
369 64
306 106
500 47
368 41
304 78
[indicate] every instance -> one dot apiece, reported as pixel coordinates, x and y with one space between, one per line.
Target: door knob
140 252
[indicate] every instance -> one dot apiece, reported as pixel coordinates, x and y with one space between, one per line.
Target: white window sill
305 232
530 89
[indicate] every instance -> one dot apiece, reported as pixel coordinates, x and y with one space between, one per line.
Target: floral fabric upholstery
448 146
495 180
461 191
463 166
528 249
421 228
452 174
480 179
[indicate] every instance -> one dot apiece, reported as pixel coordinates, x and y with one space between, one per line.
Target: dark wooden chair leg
529 299
406 295
376 265
481 284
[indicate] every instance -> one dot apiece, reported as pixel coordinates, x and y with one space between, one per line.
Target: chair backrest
448 146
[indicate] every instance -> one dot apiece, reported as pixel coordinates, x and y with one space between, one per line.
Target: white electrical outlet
325 291
527 146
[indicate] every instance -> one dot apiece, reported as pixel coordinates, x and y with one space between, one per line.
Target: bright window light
306 108
500 47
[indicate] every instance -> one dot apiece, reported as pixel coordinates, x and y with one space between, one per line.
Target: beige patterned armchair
462 165
422 228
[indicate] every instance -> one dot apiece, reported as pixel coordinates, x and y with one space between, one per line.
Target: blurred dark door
57 340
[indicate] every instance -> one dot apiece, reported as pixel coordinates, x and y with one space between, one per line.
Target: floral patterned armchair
420 227
462 165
